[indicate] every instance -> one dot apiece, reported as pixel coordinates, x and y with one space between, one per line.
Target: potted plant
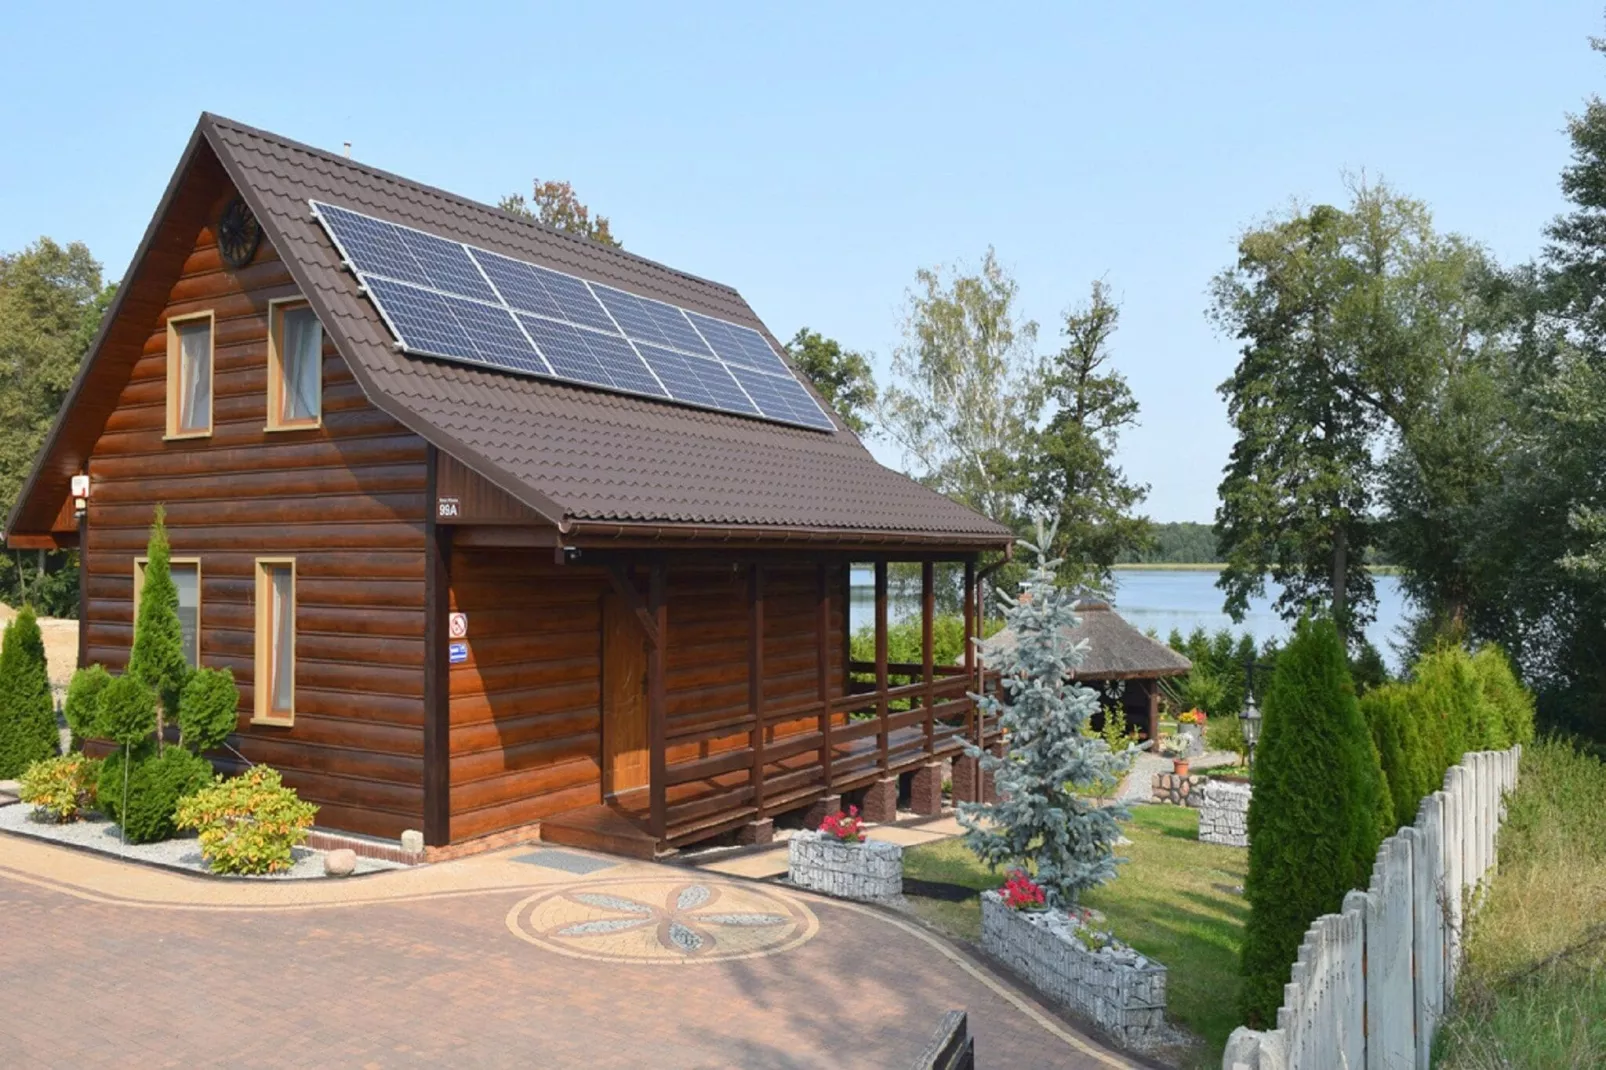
1176 748
838 859
1191 726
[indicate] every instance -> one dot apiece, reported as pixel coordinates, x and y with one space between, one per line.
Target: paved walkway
563 959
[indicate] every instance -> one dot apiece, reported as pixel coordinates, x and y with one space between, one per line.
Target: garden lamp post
1249 720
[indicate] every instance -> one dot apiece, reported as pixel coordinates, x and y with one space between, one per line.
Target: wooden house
467 581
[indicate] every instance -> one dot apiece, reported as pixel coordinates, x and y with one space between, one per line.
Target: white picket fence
1372 981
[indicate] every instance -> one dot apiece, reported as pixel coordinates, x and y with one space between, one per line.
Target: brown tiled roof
1115 649
575 455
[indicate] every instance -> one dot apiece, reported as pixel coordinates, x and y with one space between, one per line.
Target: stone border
870 871
1224 813
1176 790
1119 990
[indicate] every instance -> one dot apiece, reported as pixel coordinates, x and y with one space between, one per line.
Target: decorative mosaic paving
663 920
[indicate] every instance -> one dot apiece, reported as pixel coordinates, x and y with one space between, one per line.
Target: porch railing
814 749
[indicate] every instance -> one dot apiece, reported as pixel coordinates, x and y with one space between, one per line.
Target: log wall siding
526 706
347 500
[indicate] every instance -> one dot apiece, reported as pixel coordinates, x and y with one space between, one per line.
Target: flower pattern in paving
663 921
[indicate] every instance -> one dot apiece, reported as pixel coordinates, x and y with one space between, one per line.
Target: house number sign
448 509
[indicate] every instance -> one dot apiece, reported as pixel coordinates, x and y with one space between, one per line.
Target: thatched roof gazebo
1121 663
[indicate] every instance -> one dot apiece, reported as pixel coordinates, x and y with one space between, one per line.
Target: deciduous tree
555 204
842 376
967 388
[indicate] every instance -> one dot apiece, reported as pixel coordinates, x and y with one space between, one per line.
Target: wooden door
625 761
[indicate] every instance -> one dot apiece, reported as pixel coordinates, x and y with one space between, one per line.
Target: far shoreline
1206 566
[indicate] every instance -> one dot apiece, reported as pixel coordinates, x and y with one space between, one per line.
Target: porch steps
600 828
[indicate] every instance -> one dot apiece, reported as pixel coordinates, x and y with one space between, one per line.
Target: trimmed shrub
127 711
28 731
1452 712
82 708
1391 714
1512 703
61 789
1314 817
249 824
157 658
208 709
156 783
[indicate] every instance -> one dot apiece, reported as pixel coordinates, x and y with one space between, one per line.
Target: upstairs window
275 679
189 376
186 573
295 366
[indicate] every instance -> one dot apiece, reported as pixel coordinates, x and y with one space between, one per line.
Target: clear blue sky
815 157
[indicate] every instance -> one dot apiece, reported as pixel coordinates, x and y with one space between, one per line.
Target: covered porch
810 724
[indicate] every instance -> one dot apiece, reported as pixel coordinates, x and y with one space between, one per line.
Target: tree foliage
1071 459
555 204
52 298
82 706
28 730
967 388
1180 542
842 376
1041 818
1315 818
1349 319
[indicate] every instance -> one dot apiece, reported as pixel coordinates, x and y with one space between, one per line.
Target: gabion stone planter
868 870
1224 813
1120 990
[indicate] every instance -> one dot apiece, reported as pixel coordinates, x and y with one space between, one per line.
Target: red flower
1022 893
845 827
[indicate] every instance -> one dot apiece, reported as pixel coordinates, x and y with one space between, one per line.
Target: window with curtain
191 369
296 383
276 641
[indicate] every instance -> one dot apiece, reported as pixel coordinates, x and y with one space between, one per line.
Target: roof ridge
591 245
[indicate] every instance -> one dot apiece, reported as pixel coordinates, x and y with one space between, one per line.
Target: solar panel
445 299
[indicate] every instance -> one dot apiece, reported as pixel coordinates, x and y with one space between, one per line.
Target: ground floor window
275 678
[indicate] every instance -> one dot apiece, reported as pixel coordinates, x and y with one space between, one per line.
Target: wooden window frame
139 586
262 666
175 383
276 422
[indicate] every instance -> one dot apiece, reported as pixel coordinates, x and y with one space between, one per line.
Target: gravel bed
183 852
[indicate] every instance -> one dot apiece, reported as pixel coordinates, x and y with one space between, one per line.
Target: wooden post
755 679
847 627
657 717
928 617
822 670
881 657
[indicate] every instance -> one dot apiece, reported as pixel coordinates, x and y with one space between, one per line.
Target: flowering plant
1174 746
1020 892
1193 716
845 827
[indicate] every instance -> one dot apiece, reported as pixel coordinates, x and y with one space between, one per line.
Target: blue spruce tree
1047 815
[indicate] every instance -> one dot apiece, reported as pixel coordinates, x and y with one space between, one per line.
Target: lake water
1163 600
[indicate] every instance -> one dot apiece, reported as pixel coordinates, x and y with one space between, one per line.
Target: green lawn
1176 900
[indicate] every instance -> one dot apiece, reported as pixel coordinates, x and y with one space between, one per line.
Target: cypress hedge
1314 819
82 708
1512 703
28 730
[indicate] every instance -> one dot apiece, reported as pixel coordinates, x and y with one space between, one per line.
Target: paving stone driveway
105 963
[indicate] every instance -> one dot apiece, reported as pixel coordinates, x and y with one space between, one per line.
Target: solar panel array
458 302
